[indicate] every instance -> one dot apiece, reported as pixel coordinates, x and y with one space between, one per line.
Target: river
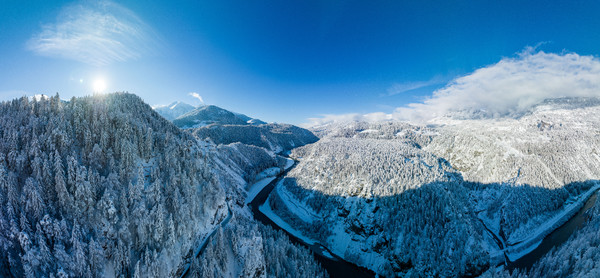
336 267
555 238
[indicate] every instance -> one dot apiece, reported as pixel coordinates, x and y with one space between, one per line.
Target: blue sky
283 61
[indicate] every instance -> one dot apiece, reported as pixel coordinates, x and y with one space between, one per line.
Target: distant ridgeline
225 127
173 110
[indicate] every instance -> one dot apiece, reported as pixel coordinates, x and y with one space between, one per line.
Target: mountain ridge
173 110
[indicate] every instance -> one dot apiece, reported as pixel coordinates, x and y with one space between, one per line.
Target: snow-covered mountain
452 198
173 110
208 115
274 137
224 127
103 186
249 120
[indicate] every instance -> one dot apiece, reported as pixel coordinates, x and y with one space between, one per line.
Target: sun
99 85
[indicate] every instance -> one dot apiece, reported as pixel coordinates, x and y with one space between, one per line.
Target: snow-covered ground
266 209
204 242
527 242
341 243
522 246
302 211
264 178
288 163
270 172
255 188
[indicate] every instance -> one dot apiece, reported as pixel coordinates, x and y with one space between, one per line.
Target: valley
235 196
335 266
299 139
555 238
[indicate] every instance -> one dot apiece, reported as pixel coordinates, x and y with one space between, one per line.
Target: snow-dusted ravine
335 265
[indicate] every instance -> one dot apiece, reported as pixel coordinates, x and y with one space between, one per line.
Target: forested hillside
246 248
274 137
384 204
99 185
103 186
577 257
224 127
451 198
207 115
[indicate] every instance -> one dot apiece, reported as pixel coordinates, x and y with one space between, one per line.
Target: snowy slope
274 137
102 186
173 110
109 200
402 198
207 115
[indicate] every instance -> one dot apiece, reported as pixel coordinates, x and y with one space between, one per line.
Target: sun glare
99 86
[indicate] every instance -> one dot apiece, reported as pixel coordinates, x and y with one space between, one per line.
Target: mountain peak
206 115
212 114
173 110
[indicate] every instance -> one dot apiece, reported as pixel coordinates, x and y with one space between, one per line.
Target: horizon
305 62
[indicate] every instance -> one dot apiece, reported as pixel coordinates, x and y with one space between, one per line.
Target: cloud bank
512 86
96 33
508 88
351 117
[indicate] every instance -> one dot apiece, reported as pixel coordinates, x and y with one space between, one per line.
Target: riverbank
523 246
334 265
526 250
556 238
264 178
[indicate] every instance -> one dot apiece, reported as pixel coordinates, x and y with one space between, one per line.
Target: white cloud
332 118
508 88
197 96
512 86
96 33
351 117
